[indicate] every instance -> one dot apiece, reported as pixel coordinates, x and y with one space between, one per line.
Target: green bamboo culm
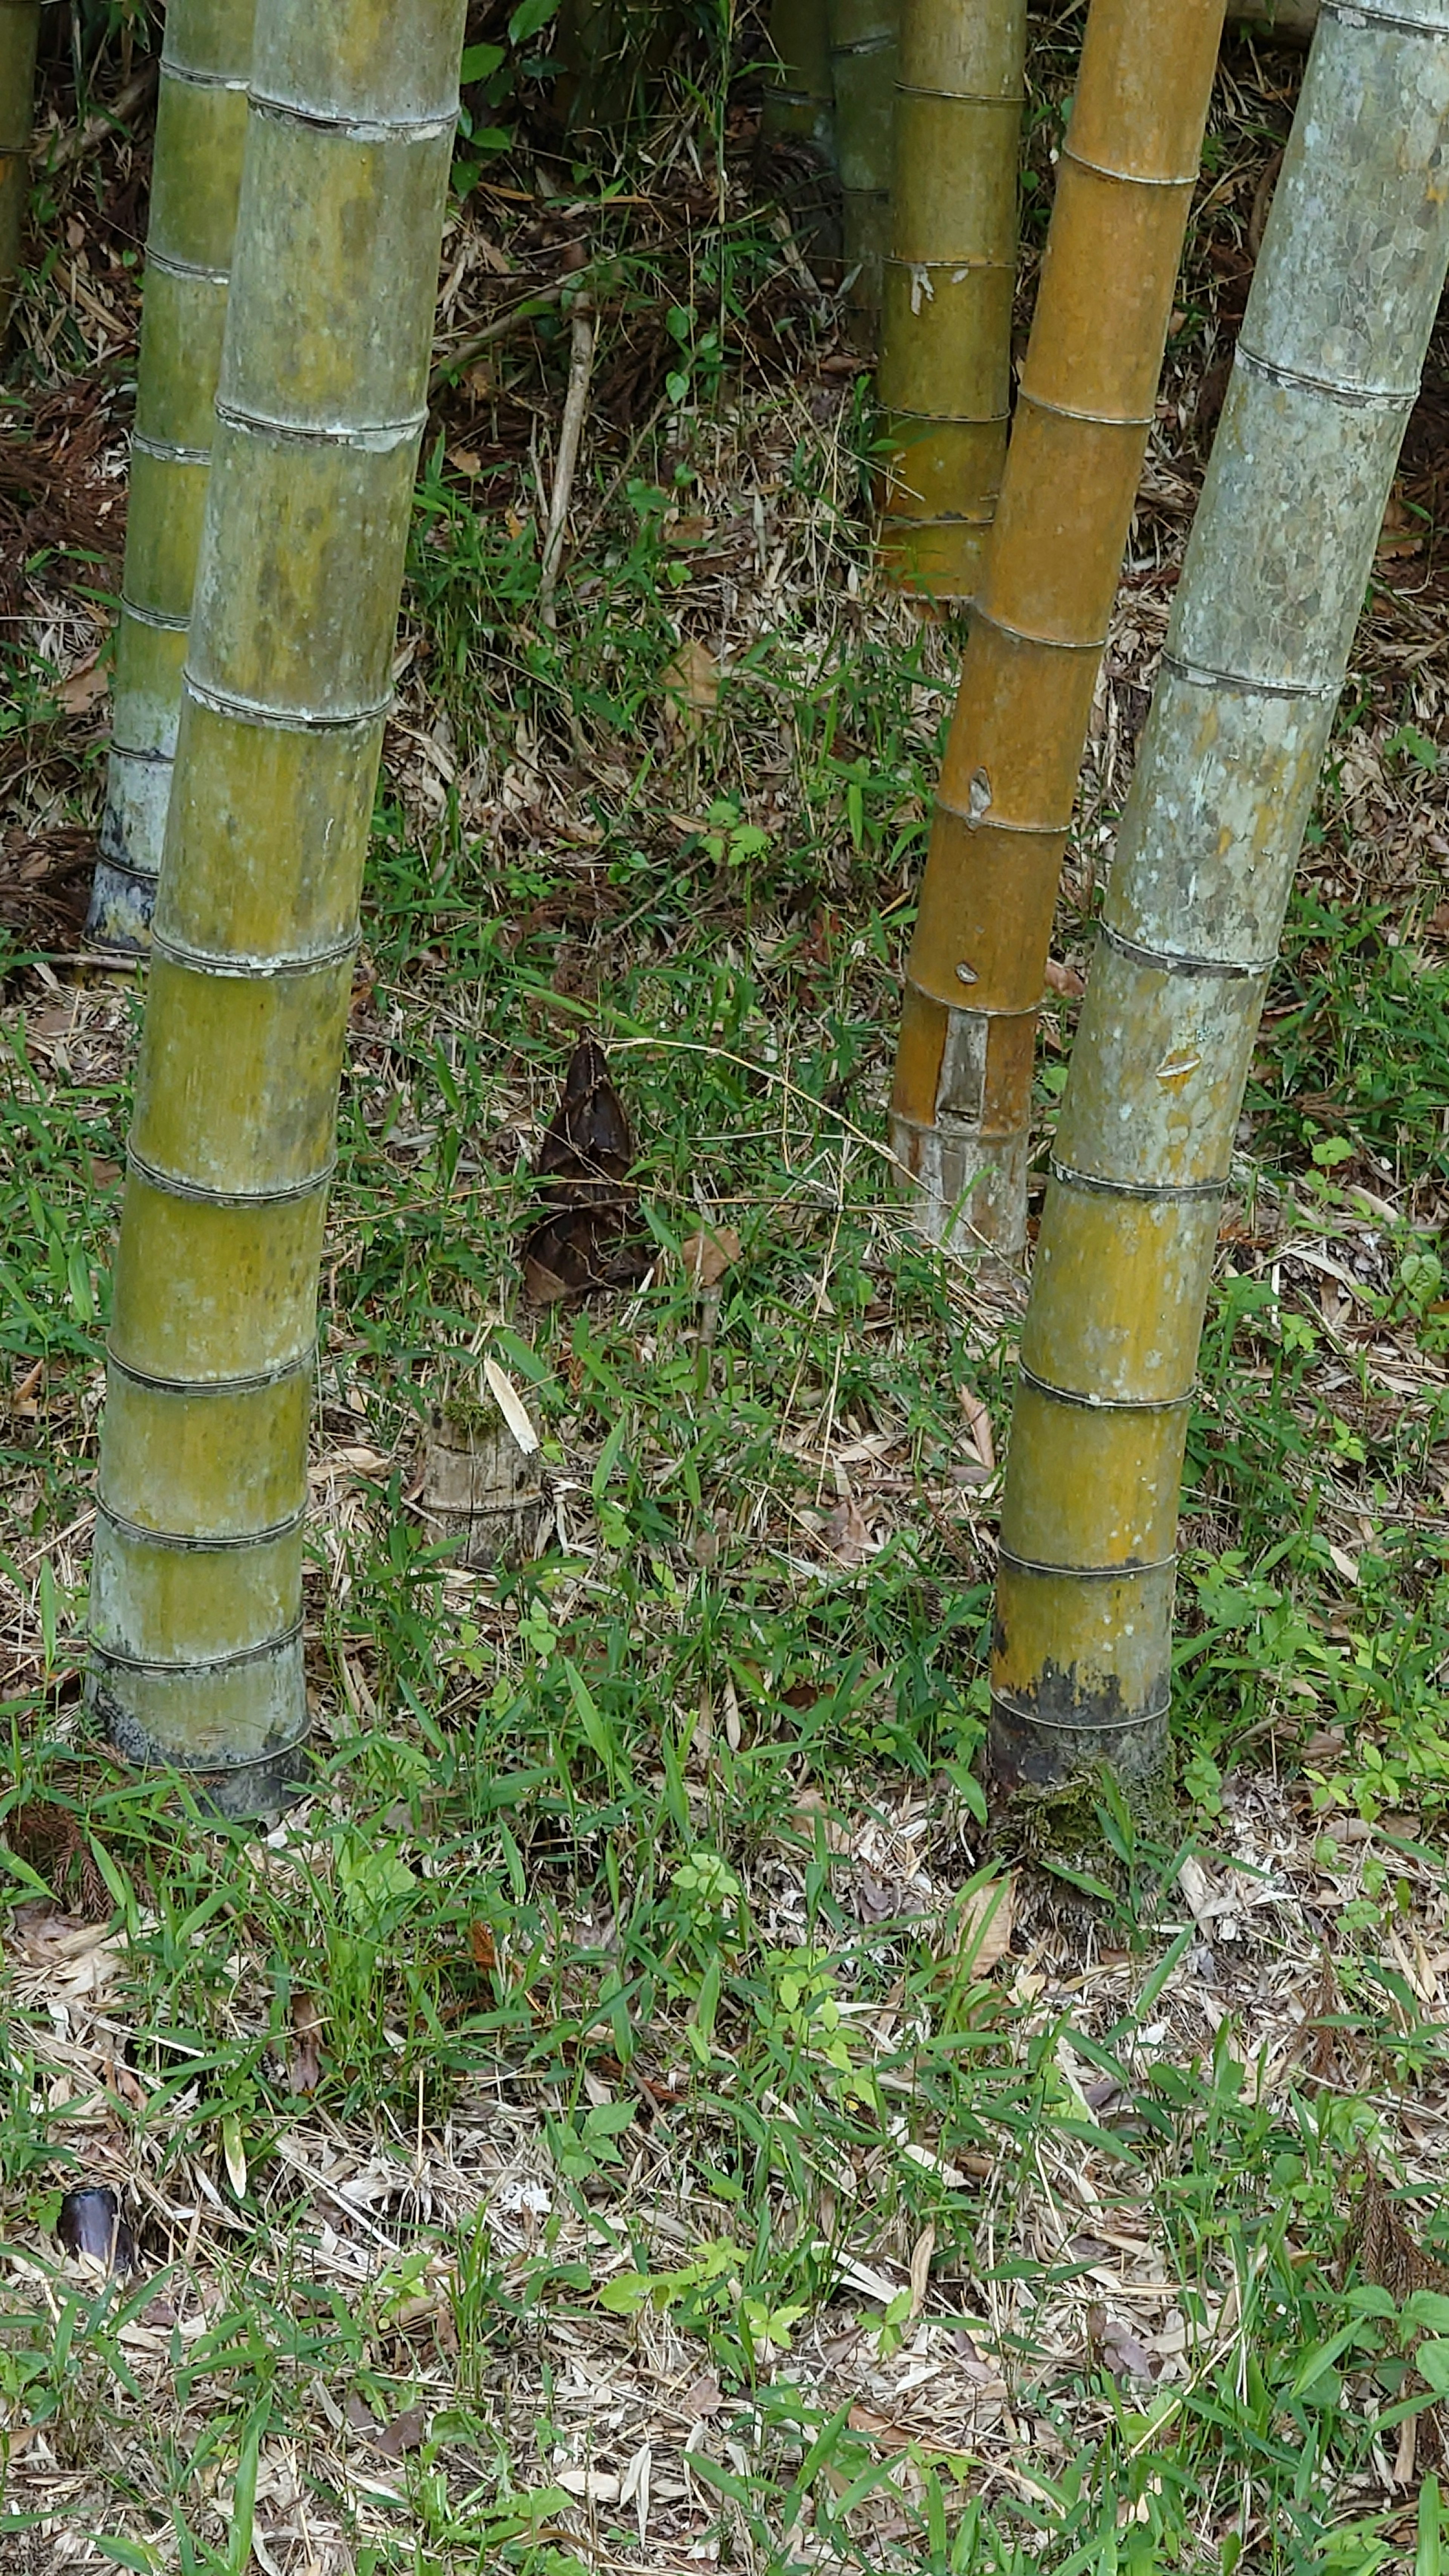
863 49
196 1588
19 36
201 123
945 362
1325 375
799 89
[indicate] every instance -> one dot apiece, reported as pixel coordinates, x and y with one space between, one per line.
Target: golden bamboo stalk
945 364
1325 374
196 1602
201 122
961 1105
19 35
863 36
799 90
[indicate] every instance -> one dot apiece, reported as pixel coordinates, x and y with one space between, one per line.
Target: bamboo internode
961 1106
863 46
201 123
799 95
196 1581
1326 372
19 35
945 367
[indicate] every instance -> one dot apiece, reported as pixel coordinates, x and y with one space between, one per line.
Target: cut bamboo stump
945 363
201 123
19 35
480 1487
196 1590
1325 375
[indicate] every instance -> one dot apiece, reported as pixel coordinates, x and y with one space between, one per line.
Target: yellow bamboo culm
961 1104
945 365
196 1579
19 36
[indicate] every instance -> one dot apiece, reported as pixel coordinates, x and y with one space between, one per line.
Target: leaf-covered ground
628 2116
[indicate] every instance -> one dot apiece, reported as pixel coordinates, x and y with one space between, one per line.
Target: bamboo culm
863 48
961 1105
799 90
201 123
1327 366
19 36
945 363
196 1598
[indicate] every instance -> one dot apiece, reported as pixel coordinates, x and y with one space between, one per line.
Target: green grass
609 2063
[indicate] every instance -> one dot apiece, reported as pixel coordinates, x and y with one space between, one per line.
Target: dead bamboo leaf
978 1428
984 1925
706 1257
921 2252
304 2061
690 680
83 687
512 1407
846 1532
1064 980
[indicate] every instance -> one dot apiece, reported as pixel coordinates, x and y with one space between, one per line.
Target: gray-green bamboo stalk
945 359
201 123
863 47
196 1599
19 35
1326 372
799 89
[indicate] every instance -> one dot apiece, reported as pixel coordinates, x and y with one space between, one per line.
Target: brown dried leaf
304 2062
691 681
483 1947
83 687
921 2252
846 1532
978 1428
707 1257
1064 979
984 1925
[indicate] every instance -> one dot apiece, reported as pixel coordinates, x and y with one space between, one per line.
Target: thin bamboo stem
945 364
1326 371
196 1601
19 35
863 49
201 122
960 1111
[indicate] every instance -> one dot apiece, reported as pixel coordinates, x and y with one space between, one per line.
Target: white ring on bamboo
1387 398
221 702
202 1194
185 1542
251 1381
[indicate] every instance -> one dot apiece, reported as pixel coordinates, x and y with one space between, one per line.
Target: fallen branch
581 360
51 155
498 329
